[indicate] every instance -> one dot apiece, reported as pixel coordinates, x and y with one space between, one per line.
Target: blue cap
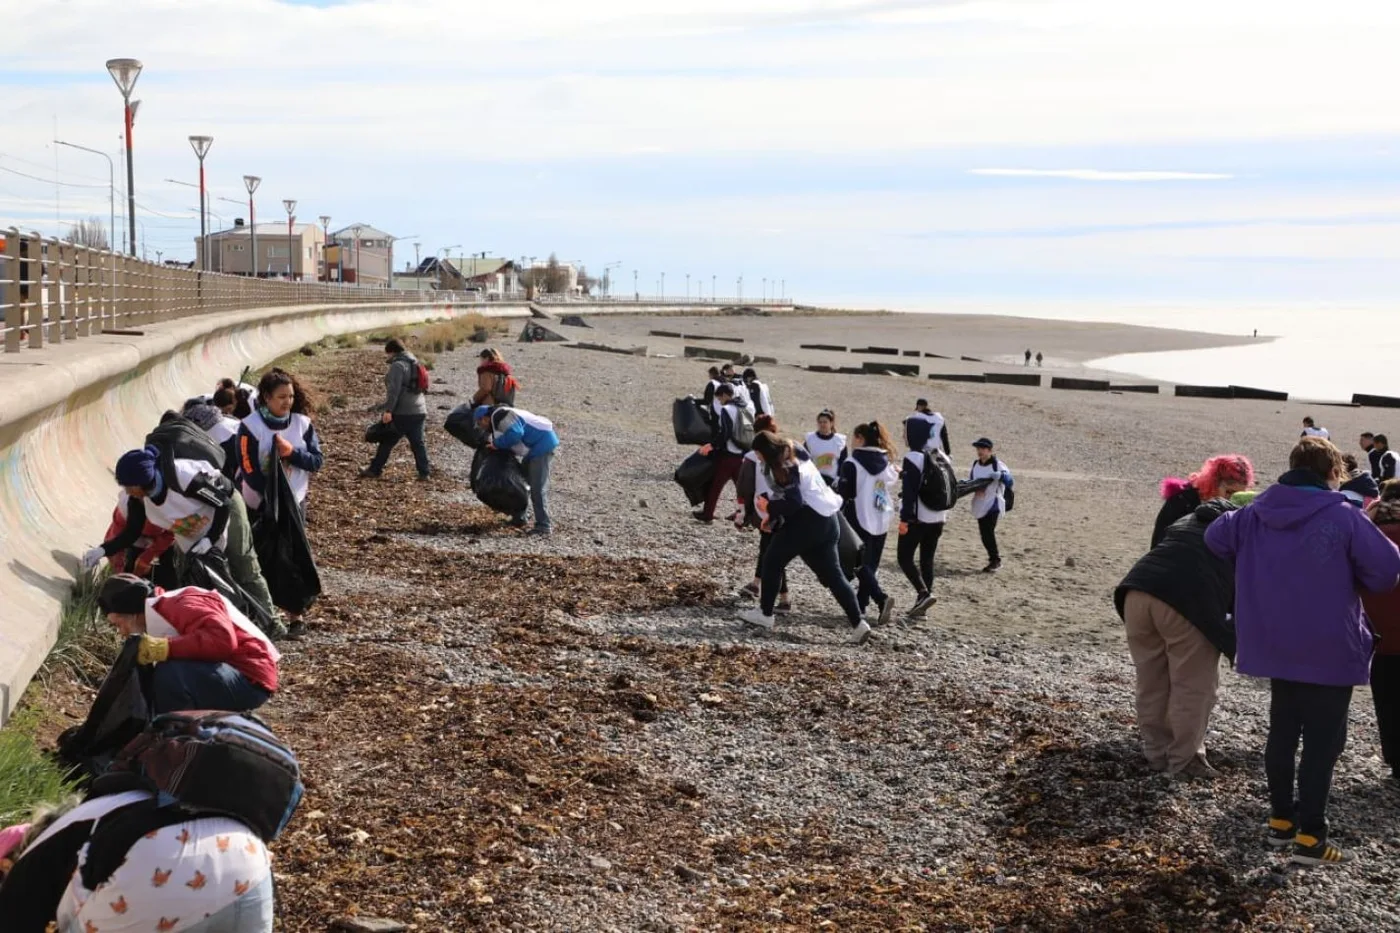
481 411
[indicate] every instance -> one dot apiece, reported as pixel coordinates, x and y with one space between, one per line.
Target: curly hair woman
1219 477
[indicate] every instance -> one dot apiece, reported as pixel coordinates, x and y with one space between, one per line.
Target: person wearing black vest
1176 604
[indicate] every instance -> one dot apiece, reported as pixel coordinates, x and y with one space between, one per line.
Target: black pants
1385 691
813 538
987 525
1317 715
411 427
868 576
922 539
765 541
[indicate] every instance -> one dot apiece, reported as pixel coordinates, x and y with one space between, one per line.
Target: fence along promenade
53 291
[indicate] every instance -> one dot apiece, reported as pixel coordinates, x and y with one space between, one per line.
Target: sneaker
922 606
538 532
516 523
367 473
1311 851
1282 833
1199 769
859 634
784 607
992 567
703 518
756 618
749 591
296 630
886 611
423 477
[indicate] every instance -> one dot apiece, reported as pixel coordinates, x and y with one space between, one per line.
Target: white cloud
1094 174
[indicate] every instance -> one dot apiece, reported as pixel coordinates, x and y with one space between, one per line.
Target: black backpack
938 484
179 438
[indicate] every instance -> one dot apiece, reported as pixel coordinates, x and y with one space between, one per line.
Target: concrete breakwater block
538 333
1205 392
712 353
822 346
1263 395
626 351
935 356
720 339
972 359
898 369
1079 385
820 369
765 361
852 370
1375 401
877 351
574 320
959 377
1014 379
664 333
913 353
1148 390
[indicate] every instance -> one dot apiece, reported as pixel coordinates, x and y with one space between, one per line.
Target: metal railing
52 290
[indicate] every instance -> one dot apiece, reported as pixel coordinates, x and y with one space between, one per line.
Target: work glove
153 650
903 528
92 558
705 451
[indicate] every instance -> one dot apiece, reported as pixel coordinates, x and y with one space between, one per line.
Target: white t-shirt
1315 432
826 452
992 498
816 494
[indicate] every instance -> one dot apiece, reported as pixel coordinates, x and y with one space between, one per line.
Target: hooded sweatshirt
1301 552
867 483
400 394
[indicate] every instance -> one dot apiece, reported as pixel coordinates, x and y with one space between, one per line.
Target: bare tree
556 277
585 283
91 233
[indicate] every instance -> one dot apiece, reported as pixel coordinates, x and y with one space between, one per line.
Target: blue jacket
526 435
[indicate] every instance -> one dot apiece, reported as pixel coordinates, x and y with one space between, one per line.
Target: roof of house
272 229
472 266
367 232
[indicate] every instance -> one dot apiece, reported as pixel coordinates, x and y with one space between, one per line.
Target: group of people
800 494
1297 584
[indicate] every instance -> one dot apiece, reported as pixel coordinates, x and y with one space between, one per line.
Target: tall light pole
111 189
201 146
687 286
325 220
663 286
741 288
356 231
392 241
291 205
713 279
251 182
124 72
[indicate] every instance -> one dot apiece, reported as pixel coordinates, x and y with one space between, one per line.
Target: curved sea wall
68 411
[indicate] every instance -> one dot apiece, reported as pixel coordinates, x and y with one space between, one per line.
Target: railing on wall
52 291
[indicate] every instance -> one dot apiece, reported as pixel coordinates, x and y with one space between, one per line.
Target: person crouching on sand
804 509
1175 605
1300 554
1218 478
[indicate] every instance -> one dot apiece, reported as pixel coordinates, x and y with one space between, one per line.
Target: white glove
92 558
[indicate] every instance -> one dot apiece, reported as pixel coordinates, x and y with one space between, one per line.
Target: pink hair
1226 468
1173 485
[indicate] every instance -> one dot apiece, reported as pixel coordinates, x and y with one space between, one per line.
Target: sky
896 153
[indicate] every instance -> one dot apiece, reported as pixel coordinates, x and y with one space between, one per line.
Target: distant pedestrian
1219 477
1302 555
990 502
405 407
1386 461
1039 358
1310 429
1373 456
1256 332
1028 357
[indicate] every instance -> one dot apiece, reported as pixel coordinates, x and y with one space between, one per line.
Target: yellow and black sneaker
1282 833
1312 851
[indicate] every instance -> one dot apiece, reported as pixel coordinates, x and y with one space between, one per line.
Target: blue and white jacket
524 434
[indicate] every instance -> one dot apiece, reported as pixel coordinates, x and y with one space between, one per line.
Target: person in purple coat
1301 553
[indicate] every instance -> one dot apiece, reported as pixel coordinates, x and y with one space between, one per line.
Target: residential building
365 257
494 278
278 256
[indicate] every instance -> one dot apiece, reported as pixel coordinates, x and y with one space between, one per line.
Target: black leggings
1316 715
987 525
923 538
868 577
765 540
813 538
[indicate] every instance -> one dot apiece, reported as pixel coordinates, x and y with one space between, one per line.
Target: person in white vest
1310 429
867 485
927 428
760 394
920 527
826 448
742 398
280 425
990 503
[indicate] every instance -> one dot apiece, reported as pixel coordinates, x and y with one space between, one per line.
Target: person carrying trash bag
405 409
204 653
533 441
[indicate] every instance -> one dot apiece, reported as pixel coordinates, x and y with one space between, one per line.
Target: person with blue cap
992 501
533 440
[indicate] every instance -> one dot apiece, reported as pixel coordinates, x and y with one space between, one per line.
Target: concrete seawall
68 411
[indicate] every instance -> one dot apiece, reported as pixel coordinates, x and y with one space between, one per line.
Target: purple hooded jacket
1301 553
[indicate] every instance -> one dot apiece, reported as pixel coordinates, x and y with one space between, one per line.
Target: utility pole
124 72
251 182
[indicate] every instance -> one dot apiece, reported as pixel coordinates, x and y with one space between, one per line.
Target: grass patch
28 777
86 646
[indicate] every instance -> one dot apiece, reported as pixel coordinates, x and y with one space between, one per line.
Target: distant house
494 278
279 255
365 256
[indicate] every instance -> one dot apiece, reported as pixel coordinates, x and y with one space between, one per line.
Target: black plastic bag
379 431
461 425
501 484
210 571
120 712
694 475
851 549
692 421
279 538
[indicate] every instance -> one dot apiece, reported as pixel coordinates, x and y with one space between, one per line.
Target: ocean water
1313 352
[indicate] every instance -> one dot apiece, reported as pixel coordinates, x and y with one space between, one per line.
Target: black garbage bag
279 538
851 549
121 711
694 475
210 571
379 432
967 487
478 458
461 425
501 484
692 421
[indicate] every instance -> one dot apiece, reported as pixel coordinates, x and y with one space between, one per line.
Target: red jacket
160 539
1383 609
208 633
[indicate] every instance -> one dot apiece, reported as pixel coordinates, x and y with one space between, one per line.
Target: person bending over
1218 478
533 440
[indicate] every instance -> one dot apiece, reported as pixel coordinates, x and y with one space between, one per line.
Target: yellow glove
152 650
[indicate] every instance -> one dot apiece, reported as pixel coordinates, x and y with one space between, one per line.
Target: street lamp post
111 189
201 146
251 182
713 279
124 72
636 295
356 231
325 220
663 286
291 206
687 286
741 288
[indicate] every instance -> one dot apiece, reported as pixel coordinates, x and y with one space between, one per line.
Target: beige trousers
1178 674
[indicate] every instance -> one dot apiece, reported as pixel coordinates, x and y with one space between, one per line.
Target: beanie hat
481 411
1243 499
139 468
125 594
206 416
